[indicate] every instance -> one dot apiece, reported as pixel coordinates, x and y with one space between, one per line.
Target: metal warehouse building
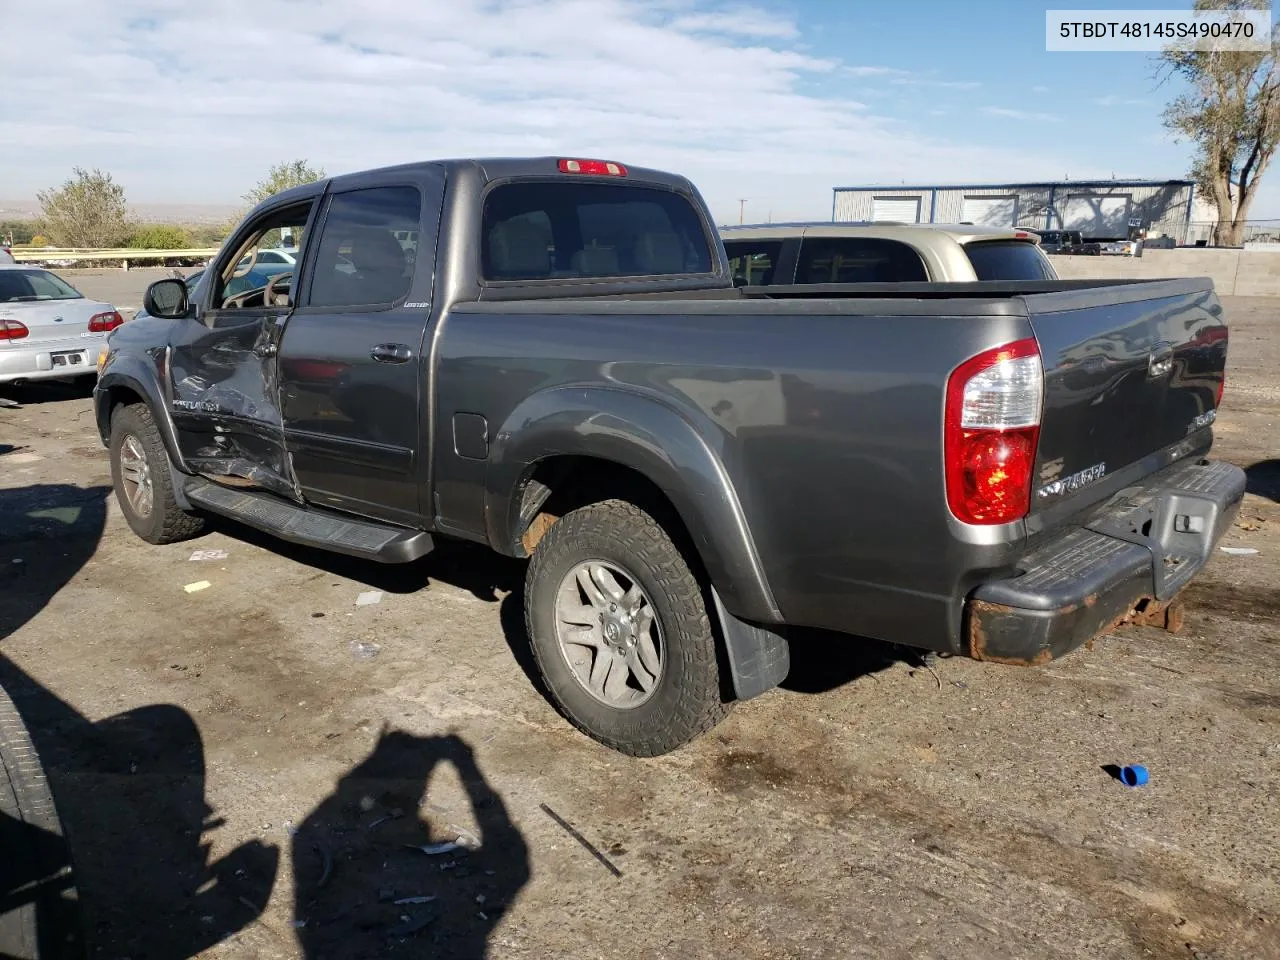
1100 210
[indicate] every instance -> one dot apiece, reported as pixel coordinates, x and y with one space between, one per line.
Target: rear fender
646 434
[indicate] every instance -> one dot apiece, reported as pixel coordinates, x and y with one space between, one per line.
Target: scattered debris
435 849
364 650
368 598
480 898
298 924
960 683
1134 775
392 815
1250 525
326 862
586 844
409 926
200 555
1239 551
6 402
403 900
197 586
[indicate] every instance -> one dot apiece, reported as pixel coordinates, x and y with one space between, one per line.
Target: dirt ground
242 779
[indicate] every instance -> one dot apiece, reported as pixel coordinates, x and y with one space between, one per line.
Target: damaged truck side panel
549 357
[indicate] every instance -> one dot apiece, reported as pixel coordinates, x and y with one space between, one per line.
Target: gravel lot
241 780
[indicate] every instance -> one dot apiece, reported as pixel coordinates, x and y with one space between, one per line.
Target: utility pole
742 207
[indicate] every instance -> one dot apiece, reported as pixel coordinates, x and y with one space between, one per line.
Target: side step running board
309 526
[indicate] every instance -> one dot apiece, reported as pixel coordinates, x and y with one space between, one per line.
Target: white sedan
48 329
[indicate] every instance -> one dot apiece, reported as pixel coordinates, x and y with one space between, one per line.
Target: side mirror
166 299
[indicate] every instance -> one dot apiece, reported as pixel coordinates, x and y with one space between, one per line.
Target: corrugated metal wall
858 204
1163 206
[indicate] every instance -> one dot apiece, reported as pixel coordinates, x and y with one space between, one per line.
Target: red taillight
599 167
12 330
993 411
105 322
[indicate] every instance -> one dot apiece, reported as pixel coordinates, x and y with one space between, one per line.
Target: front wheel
620 631
142 481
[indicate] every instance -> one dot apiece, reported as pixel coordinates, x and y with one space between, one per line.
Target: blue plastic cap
1134 775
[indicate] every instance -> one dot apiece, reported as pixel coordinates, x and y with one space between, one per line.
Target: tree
160 236
88 210
1232 115
282 176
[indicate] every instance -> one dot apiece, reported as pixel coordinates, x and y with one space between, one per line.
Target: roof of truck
914 233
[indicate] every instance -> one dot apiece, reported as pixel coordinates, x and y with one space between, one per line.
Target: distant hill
145 212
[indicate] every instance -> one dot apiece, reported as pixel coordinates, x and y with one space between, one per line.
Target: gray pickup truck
548 356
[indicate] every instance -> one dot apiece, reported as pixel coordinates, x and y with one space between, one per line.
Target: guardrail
123 254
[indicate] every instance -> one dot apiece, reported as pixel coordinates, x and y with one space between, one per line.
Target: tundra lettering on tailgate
1072 483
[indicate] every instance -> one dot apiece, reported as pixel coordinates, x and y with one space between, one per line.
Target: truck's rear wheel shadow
1264 479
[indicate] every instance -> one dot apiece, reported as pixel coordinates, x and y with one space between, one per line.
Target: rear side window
1008 260
551 231
858 260
367 248
754 261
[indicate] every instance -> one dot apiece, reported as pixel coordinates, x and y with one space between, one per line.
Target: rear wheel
620 631
142 481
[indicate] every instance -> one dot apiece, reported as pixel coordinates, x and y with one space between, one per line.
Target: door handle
391 353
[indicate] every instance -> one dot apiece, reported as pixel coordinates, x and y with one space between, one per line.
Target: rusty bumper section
1127 563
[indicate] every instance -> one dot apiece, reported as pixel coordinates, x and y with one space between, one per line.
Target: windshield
1008 260
20 285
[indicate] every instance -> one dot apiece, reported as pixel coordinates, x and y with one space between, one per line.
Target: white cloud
875 71
191 100
1039 89
1020 114
940 84
1113 101
736 21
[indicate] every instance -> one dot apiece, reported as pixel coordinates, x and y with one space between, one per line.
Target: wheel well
559 484
117 396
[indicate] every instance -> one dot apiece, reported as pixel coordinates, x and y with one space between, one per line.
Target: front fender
137 375
646 434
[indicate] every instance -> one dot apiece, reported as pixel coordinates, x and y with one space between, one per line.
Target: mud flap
759 658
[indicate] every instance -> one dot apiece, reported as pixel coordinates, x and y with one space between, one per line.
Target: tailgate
1129 371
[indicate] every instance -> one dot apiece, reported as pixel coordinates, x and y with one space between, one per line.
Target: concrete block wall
1241 273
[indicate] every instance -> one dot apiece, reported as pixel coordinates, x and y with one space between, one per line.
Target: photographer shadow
365 888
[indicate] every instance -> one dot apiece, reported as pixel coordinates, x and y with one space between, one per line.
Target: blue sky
189 101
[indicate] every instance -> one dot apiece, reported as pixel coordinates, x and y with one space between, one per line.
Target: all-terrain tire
687 699
165 522
40 918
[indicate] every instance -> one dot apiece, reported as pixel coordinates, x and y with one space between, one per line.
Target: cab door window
754 262
368 247
260 262
858 260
